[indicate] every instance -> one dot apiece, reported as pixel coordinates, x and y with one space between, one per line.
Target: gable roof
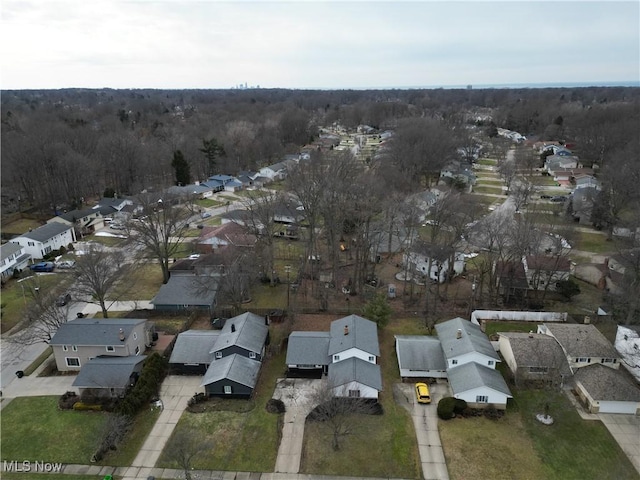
362 334
94 331
472 339
308 348
607 384
548 263
355 370
419 352
437 252
47 231
247 331
75 215
582 340
194 346
107 372
234 367
189 290
469 376
537 350
8 249
232 232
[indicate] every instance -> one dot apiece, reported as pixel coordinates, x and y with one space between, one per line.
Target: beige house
78 341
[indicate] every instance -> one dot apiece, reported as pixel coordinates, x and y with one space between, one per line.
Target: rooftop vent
121 335
459 333
233 327
346 330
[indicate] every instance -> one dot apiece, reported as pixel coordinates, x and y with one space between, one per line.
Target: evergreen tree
181 166
378 310
211 150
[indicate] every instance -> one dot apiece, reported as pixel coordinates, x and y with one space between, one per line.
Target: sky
305 44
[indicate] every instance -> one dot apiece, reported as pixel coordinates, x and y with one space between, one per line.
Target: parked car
43 267
62 300
422 393
545 197
66 264
559 199
116 226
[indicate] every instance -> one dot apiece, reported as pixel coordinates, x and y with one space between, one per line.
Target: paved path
174 394
425 423
297 395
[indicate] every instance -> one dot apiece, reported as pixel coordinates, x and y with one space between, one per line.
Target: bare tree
235 283
338 412
185 447
103 276
162 229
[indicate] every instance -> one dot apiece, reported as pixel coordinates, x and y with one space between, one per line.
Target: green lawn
543 180
266 296
486 189
245 436
487 161
129 448
147 280
50 476
208 203
495 327
593 242
34 428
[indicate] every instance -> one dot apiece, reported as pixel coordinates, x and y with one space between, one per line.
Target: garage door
619 407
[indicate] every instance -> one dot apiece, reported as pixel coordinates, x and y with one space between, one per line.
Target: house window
583 360
72 361
454 362
607 360
354 393
227 389
372 358
482 399
252 355
137 349
74 348
218 354
31 244
490 363
336 358
47 250
111 348
65 348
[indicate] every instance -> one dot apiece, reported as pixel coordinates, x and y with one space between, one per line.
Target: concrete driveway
626 430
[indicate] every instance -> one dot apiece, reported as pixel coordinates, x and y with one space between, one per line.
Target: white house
479 386
433 261
464 342
627 344
544 271
12 257
44 239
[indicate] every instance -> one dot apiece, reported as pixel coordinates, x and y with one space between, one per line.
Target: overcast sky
312 44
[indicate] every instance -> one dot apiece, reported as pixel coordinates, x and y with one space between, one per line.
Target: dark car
43 267
62 300
545 197
559 199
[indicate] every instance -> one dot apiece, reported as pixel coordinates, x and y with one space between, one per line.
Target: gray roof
47 231
75 215
355 370
191 290
472 340
234 367
107 372
607 384
582 340
8 249
194 346
437 252
472 375
537 350
362 334
94 331
247 331
419 352
308 348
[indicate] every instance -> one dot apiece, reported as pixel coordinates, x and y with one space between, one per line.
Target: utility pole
287 268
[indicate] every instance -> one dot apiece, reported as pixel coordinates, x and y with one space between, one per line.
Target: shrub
275 405
67 400
459 406
86 406
146 388
492 412
446 407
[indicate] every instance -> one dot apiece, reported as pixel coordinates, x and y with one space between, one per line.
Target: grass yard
593 242
486 189
245 436
128 450
265 296
50 476
390 435
147 279
572 448
208 203
524 327
20 225
487 161
33 427
543 180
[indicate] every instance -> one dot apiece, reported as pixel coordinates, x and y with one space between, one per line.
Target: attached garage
606 390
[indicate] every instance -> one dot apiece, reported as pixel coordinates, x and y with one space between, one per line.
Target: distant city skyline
306 44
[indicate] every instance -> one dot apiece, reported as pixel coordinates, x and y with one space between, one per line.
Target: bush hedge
146 388
446 408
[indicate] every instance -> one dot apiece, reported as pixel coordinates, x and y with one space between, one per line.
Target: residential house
511 280
567 176
78 341
241 217
188 291
460 173
191 352
560 163
582 202
288 212
385 239
420 356
434 261
544 271
351 342
113 206
233 376
84 222
252 180
463 355
244 335
583 345
627 344
12 258
605 390
106 376
586 180
228 234
193 191
275 172
533 357
43 240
